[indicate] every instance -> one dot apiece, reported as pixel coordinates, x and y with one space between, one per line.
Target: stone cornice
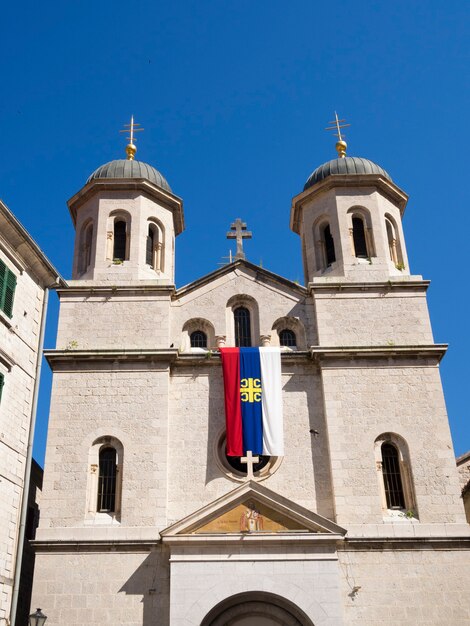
349 181
321 355
284 538
433 351
105 545
54 357
336 286
256 539
166 198
406 543
111 289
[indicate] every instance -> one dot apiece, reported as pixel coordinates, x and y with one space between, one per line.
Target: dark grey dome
346 165
124 168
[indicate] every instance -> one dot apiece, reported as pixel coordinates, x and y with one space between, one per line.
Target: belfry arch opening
256 607
362 238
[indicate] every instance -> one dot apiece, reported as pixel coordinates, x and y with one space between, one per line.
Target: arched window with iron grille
393 483
107 481
287 338
242 321
198 339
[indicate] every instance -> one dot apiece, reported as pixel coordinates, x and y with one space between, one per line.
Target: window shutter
3 271
9 293
7 289
2 381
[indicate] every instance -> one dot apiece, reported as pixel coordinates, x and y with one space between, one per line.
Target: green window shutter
7 289
9 293
3 271
2 380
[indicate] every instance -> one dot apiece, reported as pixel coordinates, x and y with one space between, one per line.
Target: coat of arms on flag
253 401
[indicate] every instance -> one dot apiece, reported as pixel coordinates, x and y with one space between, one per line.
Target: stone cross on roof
238 231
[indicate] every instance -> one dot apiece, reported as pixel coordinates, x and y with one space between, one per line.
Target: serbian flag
253 400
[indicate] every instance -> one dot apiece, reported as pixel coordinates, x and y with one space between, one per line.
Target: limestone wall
364 400
102 587
198 420
115 319
380 316
405 586
130 405
268 300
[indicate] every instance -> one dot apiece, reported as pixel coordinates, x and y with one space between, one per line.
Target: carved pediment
252 509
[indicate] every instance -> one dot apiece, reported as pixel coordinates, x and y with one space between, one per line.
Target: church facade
146 521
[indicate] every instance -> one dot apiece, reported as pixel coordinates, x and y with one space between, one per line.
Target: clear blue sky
234 98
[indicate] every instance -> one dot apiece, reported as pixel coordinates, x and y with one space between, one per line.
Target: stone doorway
256 609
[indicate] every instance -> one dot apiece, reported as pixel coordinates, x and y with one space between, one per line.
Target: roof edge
49 271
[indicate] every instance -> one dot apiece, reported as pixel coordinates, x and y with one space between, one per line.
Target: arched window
150 247
198 339
393 484
154 252
120 240
329 245
392 242
287 338
359 238
242 321
86 240
107 481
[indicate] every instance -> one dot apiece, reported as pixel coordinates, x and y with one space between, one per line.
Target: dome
125 168
346 165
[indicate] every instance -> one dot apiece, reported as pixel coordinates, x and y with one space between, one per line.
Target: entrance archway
256 608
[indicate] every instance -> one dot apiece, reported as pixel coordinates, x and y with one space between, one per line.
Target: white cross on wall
250 461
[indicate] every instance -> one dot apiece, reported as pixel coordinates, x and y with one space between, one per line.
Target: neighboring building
25 276
145 521
27 561
463 465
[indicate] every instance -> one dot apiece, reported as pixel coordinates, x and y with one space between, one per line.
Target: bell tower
126 219
349 220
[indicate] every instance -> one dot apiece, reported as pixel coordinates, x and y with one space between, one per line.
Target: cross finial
131 128
238 231
250 462
337 125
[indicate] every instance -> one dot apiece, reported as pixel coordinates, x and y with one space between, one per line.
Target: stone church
144 519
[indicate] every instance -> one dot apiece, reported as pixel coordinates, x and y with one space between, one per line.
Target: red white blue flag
253 400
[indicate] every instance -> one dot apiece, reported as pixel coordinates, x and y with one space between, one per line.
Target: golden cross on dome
337 125
131 128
